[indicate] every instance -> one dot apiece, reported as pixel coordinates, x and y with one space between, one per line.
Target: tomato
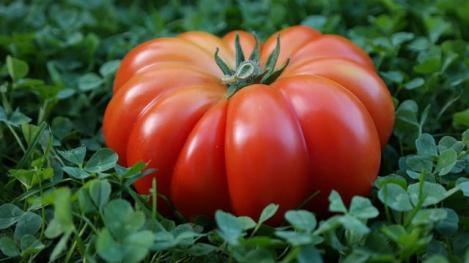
306 113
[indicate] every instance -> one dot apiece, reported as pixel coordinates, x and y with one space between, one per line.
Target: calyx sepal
249 71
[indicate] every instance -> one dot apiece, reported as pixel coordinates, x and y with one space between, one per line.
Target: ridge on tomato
234 124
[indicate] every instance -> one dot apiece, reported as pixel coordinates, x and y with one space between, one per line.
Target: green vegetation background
63 197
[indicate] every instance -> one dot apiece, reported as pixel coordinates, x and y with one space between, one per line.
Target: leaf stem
17 138
74 244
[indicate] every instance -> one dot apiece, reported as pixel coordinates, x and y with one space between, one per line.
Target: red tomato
319 126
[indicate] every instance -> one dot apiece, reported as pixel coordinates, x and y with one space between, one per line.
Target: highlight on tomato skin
234 124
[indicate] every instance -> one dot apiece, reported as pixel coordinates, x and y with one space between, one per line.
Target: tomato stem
248 72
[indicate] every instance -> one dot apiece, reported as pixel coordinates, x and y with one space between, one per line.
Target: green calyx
248 71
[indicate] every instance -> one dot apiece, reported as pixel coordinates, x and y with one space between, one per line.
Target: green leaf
100 191
9 215
30 178
29 223
335 203
16 119
461 119
109 68
62 221
354 225
75 156
465 138
230 227
76 172
61 127
102 160
246 222
89 81
384 22
84 201
268 212
450 224
30 245
448 142
132 173
107 248
362 208
436 259
54 73
394 76
419 44
185 234
261 241
429 216
295 238
315 21
413 84
394 232
164 240
358 256
17 68
201 249
60 247
31 133
137 245
436 26
426 145
406 120
432 193
446 161
8 247
133 248
395 197
464 186
301 220
328 225
254 255
121 220
429 61
392 178
407 112
377 242
3 115
419 163
309 254
401 37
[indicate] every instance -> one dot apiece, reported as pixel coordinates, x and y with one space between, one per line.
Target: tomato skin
132 98
247 40
319 127
259 167
362 81
291 39
342 141
164 50
165 126
210 43
332 46
199 181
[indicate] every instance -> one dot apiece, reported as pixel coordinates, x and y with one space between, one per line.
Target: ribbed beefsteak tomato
303 113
